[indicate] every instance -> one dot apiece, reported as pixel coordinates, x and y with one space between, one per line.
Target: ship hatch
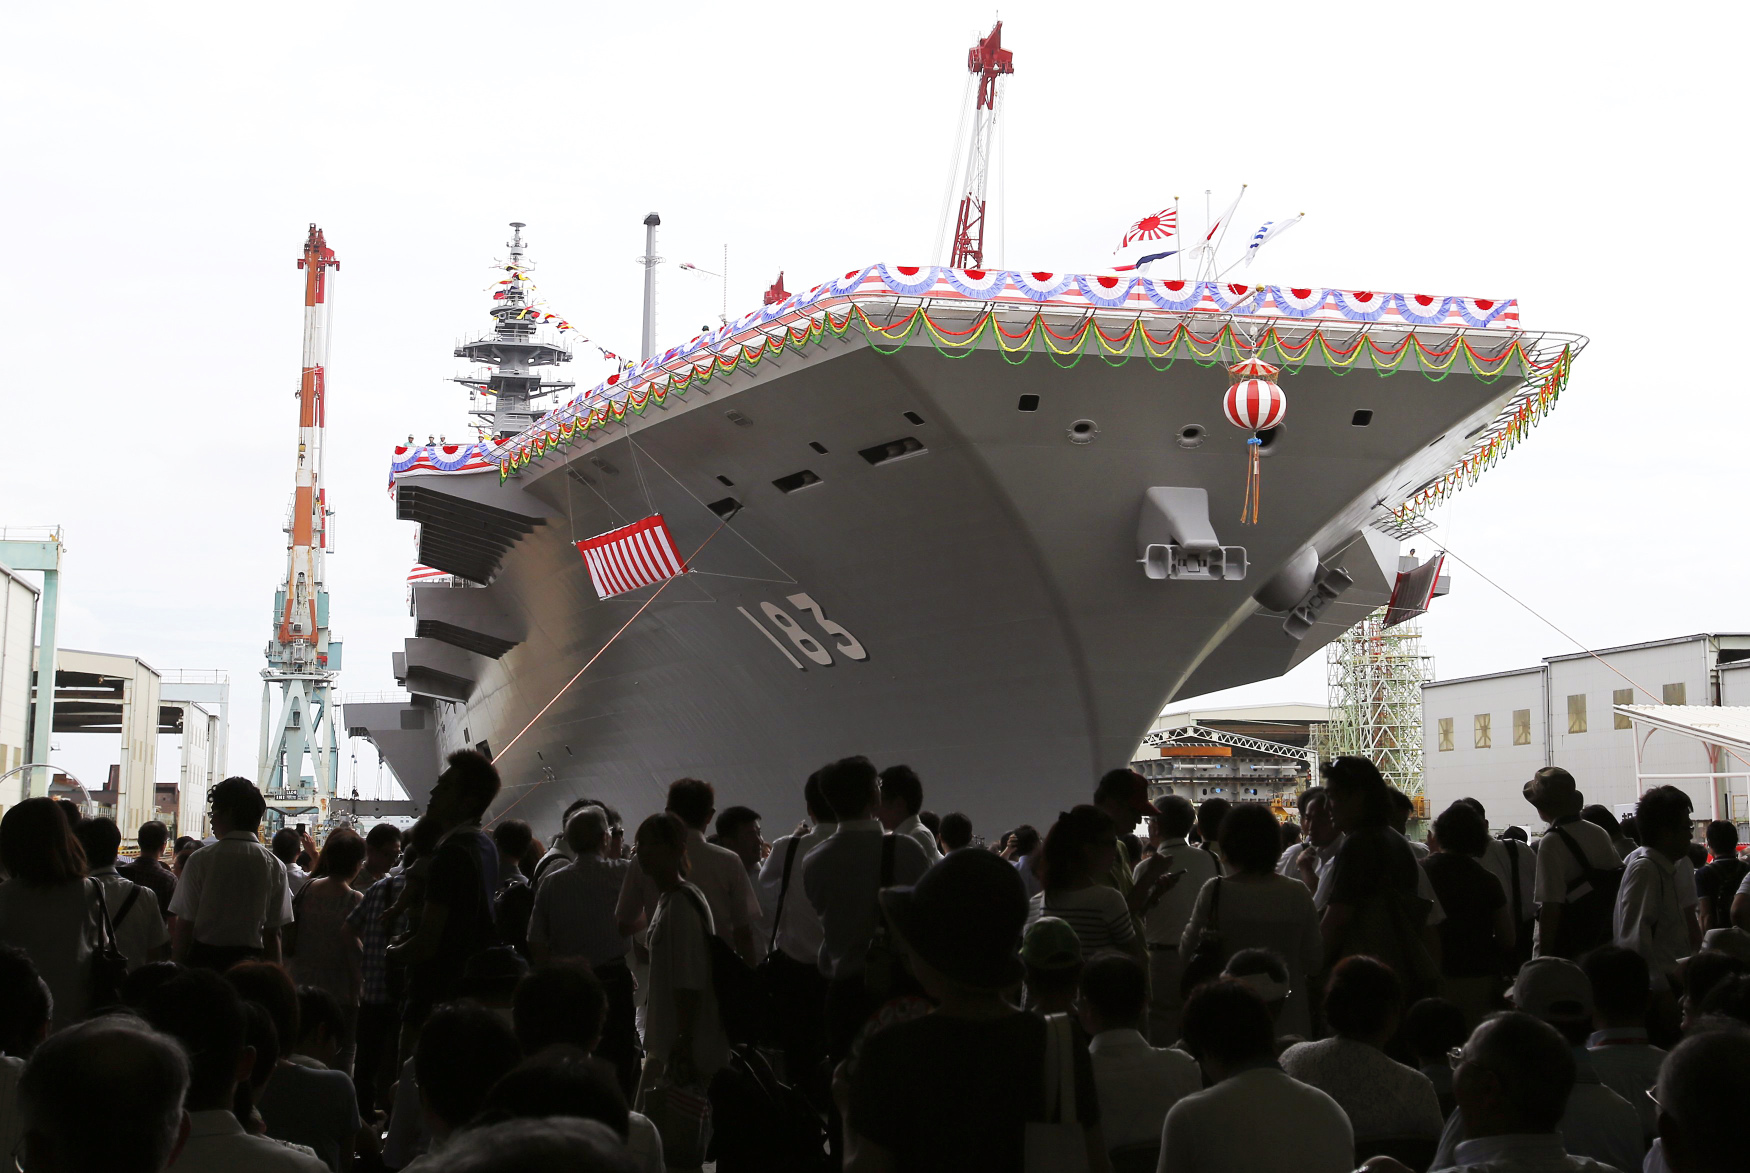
893 450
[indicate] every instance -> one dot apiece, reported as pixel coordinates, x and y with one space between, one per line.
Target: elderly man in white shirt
1594 1121
1513 1081
902 797
716 871
1136 1083
1650 917
1167 910
232 899
1254 1119
203 1013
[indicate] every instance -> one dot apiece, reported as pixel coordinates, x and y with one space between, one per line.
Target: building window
1623 696
1521 726
1676 694
1577 713
1445 734
1483 737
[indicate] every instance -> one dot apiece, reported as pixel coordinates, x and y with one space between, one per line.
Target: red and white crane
988 61
301 659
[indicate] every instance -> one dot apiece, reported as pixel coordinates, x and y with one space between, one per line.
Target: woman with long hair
47 906
327 953
1079 851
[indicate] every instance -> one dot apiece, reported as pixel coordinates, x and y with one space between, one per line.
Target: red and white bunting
630 557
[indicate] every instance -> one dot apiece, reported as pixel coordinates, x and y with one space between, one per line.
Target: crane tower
302 659
988 61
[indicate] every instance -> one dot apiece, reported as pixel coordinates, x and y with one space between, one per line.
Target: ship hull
978 602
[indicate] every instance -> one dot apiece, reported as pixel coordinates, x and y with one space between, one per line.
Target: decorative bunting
1161 322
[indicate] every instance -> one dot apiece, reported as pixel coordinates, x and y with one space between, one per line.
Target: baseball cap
1050 943
1553 988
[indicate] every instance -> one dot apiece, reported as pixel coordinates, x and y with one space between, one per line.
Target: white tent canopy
1723 730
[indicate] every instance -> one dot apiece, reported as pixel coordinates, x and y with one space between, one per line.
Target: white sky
163 162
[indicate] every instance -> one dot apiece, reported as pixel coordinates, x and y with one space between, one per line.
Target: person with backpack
1578 870
139 927
841 879
1718 882
684 1038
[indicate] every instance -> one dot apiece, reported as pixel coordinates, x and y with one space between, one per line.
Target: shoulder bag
1057 1143
109 968
1211 950
882 966
1589 914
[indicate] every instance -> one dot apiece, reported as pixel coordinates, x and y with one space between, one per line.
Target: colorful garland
1325 319
1545 378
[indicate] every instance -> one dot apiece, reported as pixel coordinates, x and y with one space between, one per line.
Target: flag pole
1180 229
1231 213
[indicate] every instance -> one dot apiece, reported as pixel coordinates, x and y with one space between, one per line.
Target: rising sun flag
1149 238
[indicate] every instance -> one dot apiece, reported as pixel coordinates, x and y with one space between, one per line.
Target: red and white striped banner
421 573
633 556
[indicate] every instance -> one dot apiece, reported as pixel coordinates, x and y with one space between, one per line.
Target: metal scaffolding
1375 675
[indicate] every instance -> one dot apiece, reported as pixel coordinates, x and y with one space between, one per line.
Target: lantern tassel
1254 482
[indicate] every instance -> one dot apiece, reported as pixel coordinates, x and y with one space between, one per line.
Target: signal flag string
598 655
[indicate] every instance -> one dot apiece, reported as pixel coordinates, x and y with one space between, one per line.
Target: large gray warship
983 522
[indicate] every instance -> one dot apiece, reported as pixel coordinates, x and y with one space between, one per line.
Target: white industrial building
1484 736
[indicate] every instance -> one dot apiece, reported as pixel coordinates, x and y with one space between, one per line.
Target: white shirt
1137 1084
1165 922
218 1144
249 892
1629 1066
1558 870
1649 912
644 1142
1259 1121
841 878
296 877
799 932
143 932
1383 1098
1596 1123
1522 1153
717 872
57 926
574 910
926 839
680 960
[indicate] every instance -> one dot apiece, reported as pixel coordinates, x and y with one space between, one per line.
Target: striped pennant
632 556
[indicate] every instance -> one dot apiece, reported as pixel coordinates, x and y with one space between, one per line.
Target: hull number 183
838 640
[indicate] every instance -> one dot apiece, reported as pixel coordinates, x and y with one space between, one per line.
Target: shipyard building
1484 736
1248 753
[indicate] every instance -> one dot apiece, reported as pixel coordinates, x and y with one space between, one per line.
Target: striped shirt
1098 914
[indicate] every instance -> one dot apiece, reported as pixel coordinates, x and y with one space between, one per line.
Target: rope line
654 595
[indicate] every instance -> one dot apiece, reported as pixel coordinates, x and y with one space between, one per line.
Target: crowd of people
1146 985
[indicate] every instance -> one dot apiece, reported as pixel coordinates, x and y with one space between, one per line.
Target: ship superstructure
507 400
982 522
